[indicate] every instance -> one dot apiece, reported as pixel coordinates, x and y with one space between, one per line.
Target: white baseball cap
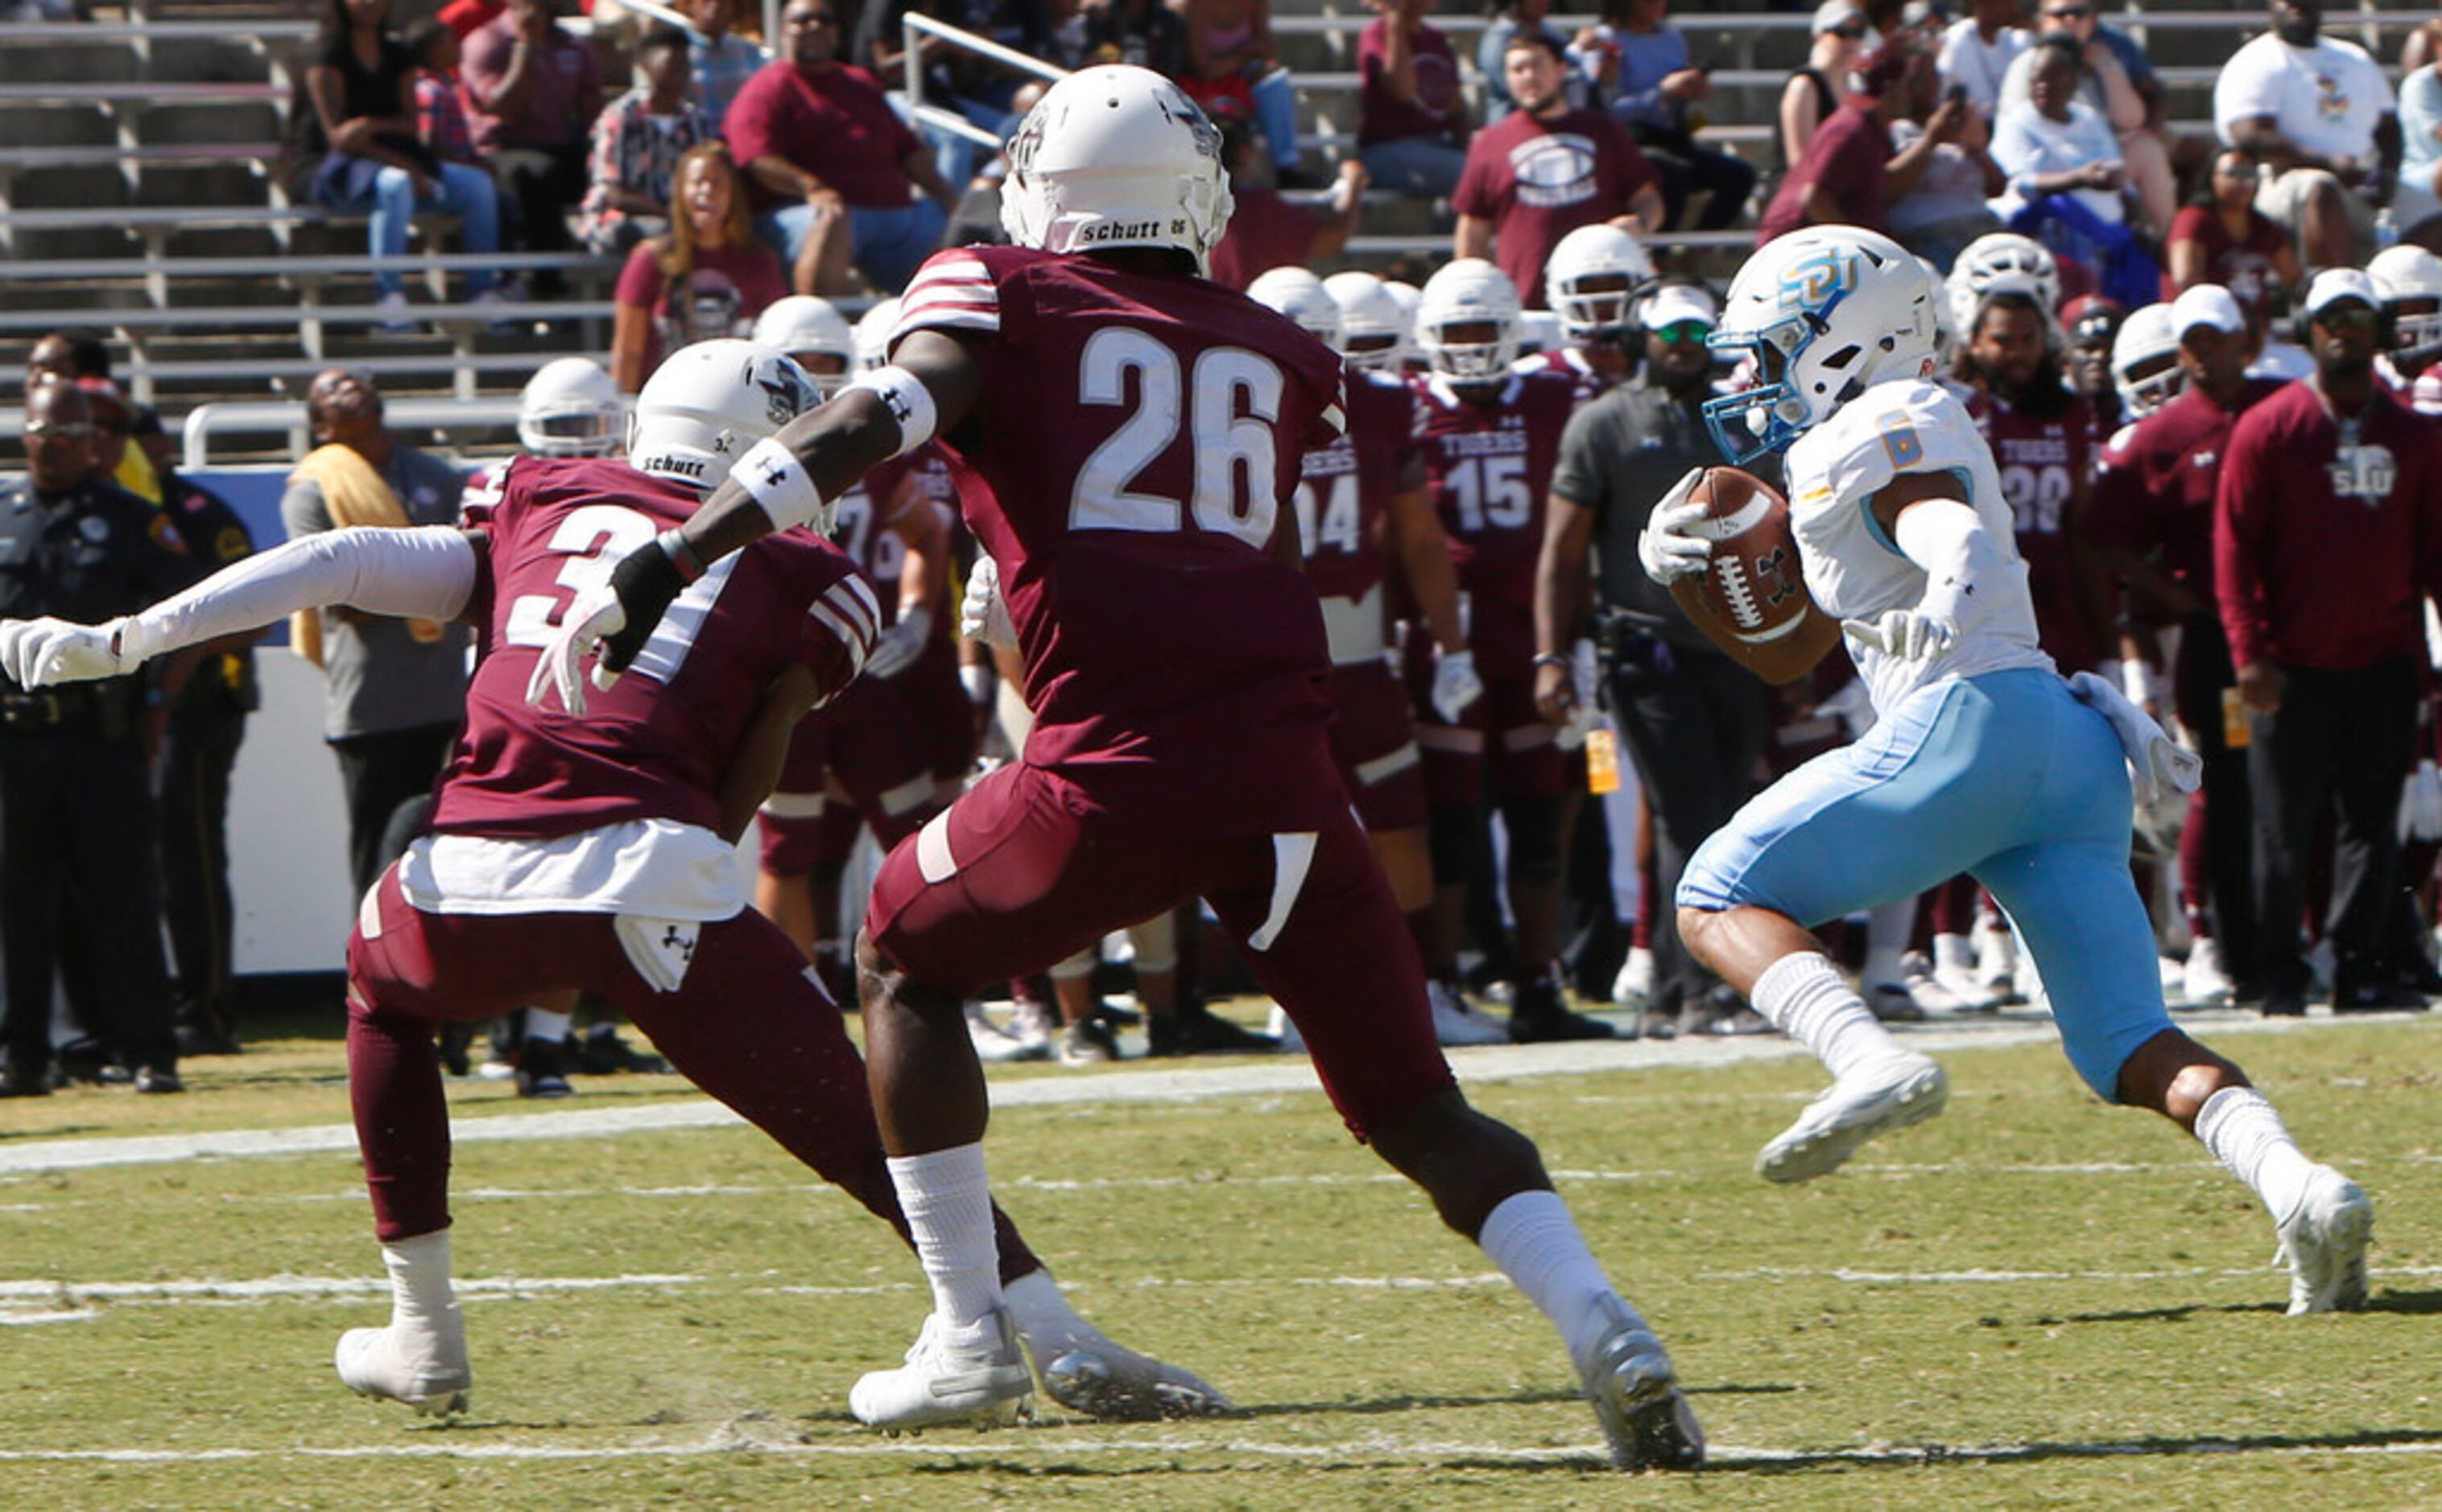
2205 305
1833 15
1675 303
2334 284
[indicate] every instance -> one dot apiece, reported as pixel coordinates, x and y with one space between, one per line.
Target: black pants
1695 724
1685 168
2204 673
544 185
379 773
78 855
196 761
2341 744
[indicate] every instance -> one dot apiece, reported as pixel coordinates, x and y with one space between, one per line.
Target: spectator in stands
1411 119
442 126
2318 113
465 17
1977 50
706 277
397 687
1814 91
2054 143
825 155
534 91
2227 241
2416 199
637 145
1145 33
1266 231
1590 64
359 135
2117 81
1230 55
1652 92
721 60
1851 172
1546 170
1946 208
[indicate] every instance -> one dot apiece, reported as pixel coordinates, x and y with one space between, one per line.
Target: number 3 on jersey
1232 397
591 542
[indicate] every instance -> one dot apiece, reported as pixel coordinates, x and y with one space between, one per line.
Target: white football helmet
2406 275
1410 298
1823 314
1539 330
1298 294
1590 278
802 325
1468 292
2004 259
1373 325
706 404
1115 156
873 331
571 408
2145 362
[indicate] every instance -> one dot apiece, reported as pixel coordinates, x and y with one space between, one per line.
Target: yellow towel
137 475
353 494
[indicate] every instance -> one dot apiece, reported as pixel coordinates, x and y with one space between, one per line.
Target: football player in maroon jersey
568 852
1137 428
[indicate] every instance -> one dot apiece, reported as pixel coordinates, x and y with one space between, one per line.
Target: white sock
542 1024
420 1296
949 1211
1535 1243
1803 995
2245 1134
1953 953
1049 1326
1888 930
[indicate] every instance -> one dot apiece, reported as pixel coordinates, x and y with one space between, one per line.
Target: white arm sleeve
423 574
1958 553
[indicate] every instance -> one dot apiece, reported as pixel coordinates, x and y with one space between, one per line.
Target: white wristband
772 474
909 402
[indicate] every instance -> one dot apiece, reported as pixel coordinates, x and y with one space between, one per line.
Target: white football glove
44 653
982 614
1456 684
1664 548
1908 634
2420 803
2158 766
1585 693
900 645
595 614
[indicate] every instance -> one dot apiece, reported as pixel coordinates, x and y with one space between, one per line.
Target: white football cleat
1996 960
1105 1380
2202 981
424 1368
1634 983
984 1385
1455 1020
2324 1244
1891 1094
1033 1023
1636 1397
996 1046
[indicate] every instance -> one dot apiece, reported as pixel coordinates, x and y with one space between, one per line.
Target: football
1752 585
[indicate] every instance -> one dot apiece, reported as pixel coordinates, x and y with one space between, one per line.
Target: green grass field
2033 1301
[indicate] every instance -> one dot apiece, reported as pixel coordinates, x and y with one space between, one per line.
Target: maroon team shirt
835 125
1345 489
1849 155
2042 459
2156 489
1381 119
1536 180
1264 232
656 745
1489 466
2243 267
1588 382
1135 437
2323 552
727 288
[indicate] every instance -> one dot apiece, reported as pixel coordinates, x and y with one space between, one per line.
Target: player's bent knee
1467 1162
1696 930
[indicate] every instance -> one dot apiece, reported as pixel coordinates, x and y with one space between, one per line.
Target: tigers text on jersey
1345 493
1856 572
1134 438
1490 466
2042 460
656 745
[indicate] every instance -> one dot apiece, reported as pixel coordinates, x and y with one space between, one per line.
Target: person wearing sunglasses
1695 724
2320 115
2117 82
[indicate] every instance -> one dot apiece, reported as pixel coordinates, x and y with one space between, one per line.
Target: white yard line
1173 1086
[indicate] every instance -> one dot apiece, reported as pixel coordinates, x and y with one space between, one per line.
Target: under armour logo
1773 569
684 944
774 472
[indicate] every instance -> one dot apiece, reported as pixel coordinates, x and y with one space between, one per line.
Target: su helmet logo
1813 282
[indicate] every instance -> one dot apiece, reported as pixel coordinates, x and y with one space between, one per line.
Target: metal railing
917 27
288 416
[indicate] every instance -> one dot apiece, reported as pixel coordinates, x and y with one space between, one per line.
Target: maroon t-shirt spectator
1538 180
1848 156
835 125
2324 555
1381 119
1264 232
2244 267
726 289
564 75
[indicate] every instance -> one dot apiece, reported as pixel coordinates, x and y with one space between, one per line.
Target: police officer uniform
78 837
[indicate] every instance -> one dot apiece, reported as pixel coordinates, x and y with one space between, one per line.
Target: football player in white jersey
1982 759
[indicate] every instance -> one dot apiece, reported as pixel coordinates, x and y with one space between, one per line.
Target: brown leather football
1751 583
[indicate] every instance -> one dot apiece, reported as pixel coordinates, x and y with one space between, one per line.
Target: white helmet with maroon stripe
1115 156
